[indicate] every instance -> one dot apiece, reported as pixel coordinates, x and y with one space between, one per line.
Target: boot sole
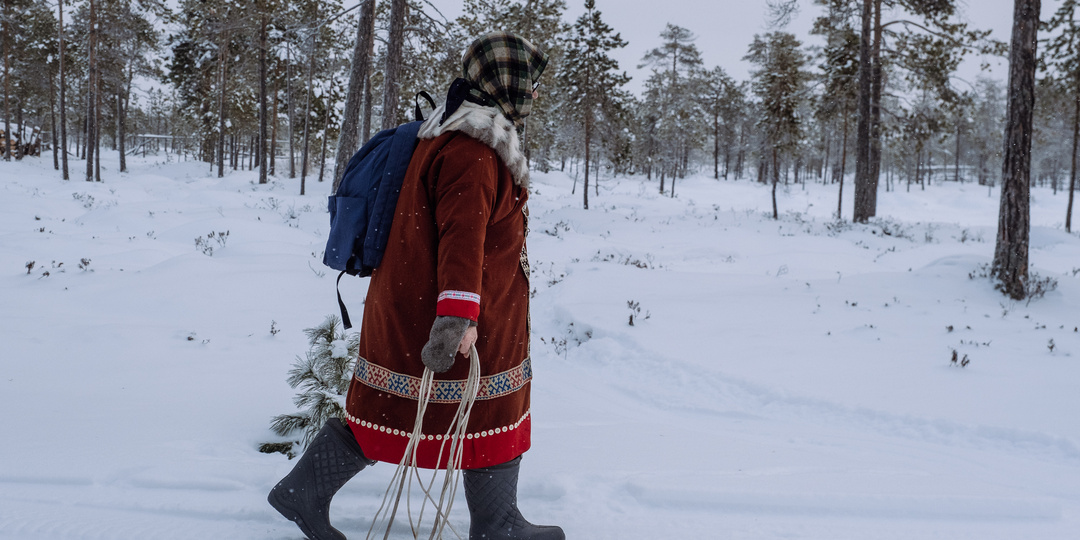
290 514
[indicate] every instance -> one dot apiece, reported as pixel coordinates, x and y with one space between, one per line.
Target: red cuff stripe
458 308
462 304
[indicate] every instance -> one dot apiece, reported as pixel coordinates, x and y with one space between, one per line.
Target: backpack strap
345 320
417 112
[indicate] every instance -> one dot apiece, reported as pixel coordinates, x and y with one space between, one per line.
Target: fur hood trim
487 125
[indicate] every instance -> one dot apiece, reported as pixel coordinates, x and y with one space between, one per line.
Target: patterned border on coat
407 386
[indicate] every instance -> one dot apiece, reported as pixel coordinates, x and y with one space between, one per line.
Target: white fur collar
487 125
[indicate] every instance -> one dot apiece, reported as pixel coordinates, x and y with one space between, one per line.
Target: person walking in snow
454 275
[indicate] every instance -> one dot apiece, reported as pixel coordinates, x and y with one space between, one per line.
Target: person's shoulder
462 146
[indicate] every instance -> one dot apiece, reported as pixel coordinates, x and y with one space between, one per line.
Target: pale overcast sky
726 27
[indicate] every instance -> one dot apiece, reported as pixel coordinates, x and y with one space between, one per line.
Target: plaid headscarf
504 67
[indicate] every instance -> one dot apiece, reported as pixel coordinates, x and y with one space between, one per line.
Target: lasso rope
407 470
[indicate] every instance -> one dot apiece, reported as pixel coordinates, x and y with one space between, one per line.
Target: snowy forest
294 88
822 286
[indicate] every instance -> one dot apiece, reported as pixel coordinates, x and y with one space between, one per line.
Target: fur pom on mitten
442 346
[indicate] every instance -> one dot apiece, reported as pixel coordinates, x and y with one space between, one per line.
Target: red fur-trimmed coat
456 247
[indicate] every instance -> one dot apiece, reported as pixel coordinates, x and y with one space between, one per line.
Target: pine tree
723 99
779 85
927 44
1062 57
591 78
840 72
988 125
28 44
323 377
675 86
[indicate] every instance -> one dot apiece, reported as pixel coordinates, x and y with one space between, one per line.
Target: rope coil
408 471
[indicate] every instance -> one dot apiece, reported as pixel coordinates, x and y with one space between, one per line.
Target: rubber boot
303 496
492 497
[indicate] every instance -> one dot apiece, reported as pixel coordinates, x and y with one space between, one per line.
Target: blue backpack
362 210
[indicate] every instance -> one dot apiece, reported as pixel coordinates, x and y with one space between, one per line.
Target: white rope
408 471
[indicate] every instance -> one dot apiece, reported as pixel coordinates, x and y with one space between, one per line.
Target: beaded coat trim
407 386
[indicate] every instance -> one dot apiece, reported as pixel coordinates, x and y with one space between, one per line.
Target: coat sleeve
464 197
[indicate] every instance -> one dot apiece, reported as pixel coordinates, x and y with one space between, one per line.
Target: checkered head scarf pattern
505 67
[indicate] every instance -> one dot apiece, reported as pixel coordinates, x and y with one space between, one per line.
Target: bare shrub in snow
86 199
892 228
1037 286
635 311
206 244
557 229
961 362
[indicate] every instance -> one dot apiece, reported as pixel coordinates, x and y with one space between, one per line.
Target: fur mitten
442 346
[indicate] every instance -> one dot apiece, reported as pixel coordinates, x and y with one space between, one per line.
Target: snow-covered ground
782 379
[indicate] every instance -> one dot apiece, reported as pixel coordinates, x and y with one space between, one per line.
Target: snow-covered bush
322 377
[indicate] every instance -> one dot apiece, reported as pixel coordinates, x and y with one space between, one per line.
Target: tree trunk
876 82
369 48
63 100
776 180
223 55
1010 265
918 169
273 129
122 108
588 143
262 101
349 136
325 133
392 72
91 96
843 167
957 170
727 159
289 109
740 159
863 185
6 37
97 125
52 121
307 118
825 162
120 133
79 152
716 146
1076 138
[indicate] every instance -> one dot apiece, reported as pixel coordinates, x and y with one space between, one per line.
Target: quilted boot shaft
492 497
304 495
